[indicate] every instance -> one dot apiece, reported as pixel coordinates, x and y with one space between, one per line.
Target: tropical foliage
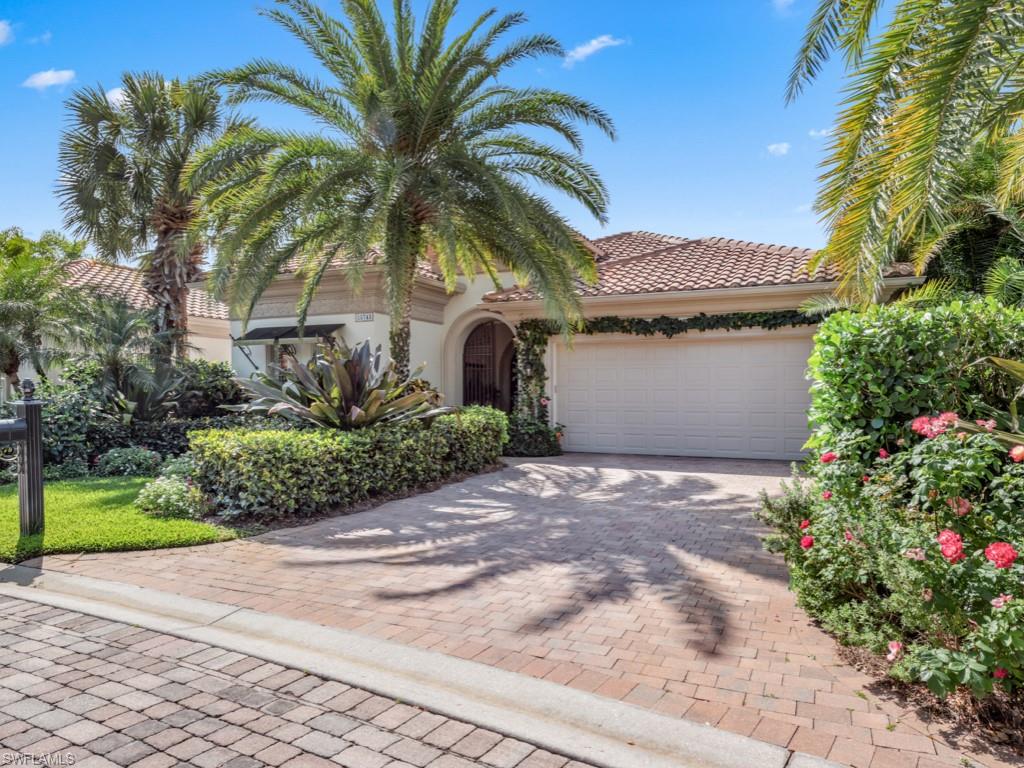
939 77
421 150
34 301
121 166
341 389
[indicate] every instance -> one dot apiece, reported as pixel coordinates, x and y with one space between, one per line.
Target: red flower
883 454
959 505
1017 453
829 456
952 546
1001 554
805 524
866 479
807 542
848 534
826 495
999 673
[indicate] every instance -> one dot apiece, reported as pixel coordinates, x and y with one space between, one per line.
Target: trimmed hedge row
876 370
274 474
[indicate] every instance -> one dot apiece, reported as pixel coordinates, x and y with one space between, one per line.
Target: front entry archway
488 366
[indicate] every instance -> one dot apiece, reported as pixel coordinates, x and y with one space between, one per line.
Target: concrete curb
580 725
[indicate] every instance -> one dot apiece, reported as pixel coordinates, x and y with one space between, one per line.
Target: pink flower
1001 554
961 435
828 457
895 649
949 417
952 546
865 479
959 505
883 454
826 495
921 425
807 542
999 673
805 524
928 427
1001 601
916 553
988 424
848 534
544 401
1017 453
927 595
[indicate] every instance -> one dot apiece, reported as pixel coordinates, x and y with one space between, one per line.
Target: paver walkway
77 690
638 578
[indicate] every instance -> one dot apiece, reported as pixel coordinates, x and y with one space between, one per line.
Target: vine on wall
532 341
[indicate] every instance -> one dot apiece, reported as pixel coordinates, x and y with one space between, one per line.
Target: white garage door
724 395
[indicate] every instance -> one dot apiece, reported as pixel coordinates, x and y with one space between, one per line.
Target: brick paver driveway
76 690
638 578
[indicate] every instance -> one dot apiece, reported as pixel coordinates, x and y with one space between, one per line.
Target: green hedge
874 371
275 474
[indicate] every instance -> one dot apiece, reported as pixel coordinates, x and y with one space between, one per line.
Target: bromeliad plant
341 389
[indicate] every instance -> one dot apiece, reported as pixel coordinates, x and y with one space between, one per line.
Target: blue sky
707 145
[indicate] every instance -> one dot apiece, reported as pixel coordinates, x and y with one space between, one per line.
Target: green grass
96 515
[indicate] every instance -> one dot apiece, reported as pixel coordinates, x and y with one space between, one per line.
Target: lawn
96 515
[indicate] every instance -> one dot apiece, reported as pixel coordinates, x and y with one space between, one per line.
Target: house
208 323
726 393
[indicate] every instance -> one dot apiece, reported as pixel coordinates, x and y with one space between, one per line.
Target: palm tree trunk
401 333
167 276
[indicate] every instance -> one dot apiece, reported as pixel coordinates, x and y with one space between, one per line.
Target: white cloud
6 32
805 208
44 38
49 78
116 96
588 49
778 149
782 6
815 133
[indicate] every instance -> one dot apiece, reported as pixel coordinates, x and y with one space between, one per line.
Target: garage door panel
734 397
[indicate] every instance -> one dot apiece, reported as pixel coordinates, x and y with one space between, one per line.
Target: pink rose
1001 554
866 479
807 542
952 546
1001 601
959 505
895 649
949 417
829 456
1017 453
826 495
805 524
883 454
848 534
999 673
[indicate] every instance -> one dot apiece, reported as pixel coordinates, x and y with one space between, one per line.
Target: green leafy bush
205 387
71 469
128 462
875 371
277 474
181 467
171 497
170 437
528 436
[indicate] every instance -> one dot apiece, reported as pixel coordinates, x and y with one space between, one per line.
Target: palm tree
121 163
941 76
421 152
33 300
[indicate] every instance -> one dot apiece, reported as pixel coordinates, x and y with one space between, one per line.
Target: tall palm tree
942 75
420 151
121 163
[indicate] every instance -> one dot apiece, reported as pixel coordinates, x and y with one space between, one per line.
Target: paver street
100 693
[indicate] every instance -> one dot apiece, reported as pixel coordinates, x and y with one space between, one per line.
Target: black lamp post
27 432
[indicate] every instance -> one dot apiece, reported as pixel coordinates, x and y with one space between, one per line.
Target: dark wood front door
479 372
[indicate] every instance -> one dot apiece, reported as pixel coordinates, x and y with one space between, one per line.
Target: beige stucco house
740 393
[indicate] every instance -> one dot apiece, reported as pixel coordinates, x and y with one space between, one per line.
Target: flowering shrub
171 497
128 462
921 562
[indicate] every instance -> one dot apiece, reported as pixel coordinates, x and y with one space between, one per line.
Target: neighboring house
740 393
208 325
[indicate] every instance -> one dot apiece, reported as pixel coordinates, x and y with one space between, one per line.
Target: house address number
364 317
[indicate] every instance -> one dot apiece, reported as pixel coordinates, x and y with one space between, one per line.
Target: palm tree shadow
600 534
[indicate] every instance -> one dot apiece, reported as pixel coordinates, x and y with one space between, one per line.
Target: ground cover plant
97 515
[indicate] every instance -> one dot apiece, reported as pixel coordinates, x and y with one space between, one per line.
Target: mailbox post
27 432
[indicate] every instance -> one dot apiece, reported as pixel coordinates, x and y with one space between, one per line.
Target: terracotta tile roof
126 282
645 262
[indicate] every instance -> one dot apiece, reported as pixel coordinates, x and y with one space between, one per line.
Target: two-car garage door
734 395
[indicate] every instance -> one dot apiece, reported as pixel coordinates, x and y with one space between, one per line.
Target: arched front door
487 366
